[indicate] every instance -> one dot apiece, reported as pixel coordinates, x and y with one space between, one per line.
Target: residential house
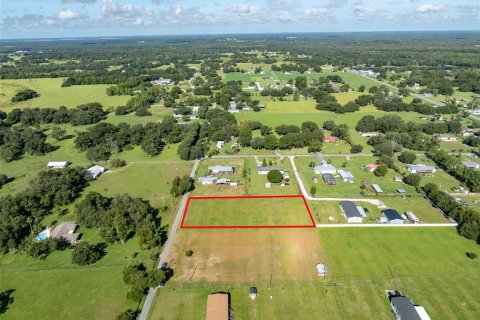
221 169
66 230
404 309
369 134
470 164
393 217
329 179
350 212
207 180
223 181
58 164
346 176
447 138
371 167
421 169
218 307
220 144
161 82
95 171
324 169
330 139
266 170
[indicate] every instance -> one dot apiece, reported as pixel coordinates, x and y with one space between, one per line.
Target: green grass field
362 264
53 95
247 212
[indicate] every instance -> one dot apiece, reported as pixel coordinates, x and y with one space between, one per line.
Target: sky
96 18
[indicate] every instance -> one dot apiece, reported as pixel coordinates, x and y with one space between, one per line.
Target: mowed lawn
247 212
53 95
428 265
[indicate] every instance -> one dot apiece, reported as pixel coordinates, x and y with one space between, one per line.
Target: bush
407 157
98 153
313 190
381 171
142 112
413 179
189 253
127 315
25 95
85 253
117 163
471 255
121 111
356 148
275 176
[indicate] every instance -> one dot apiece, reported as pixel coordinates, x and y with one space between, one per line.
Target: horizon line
106 37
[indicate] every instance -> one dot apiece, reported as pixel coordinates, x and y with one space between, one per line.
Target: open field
56 286
53 95
242 211
362 264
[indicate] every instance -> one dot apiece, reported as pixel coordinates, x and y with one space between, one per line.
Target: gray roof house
470 164
329 179
66 230
393 216
95 171
351 212
221 169
266 170
404 309
421 169
346 176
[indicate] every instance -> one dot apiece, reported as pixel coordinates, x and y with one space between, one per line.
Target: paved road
168 246
381 225
416 95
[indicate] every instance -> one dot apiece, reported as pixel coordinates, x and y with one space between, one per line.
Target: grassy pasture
53 95
56 286
247 212
362 264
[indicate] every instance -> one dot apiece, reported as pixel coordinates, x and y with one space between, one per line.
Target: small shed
95 171
377 188
397 179
220 144
253 293
322 270
401 191
268 185
58 164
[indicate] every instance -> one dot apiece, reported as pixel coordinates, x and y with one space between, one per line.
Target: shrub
413 179
85 253
275 176
189 253
407 157
356 148
117 163
471 255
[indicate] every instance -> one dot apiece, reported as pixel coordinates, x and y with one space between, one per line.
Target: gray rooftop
350 209
404 308
392 214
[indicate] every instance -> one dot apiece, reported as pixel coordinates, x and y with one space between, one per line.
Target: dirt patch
246 255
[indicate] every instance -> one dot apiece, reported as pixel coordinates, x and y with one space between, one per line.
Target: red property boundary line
183 226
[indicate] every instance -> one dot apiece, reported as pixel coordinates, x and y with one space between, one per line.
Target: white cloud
362 10
68 15
317 11
126 14
430 7
243 9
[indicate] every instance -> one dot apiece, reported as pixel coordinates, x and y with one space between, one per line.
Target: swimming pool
42 235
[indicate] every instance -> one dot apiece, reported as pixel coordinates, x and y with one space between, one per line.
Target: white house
95 171
266 170
207 180
58 164
421 169
221 169
325 168
161 82
346 176
447 138
220 144
470 164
